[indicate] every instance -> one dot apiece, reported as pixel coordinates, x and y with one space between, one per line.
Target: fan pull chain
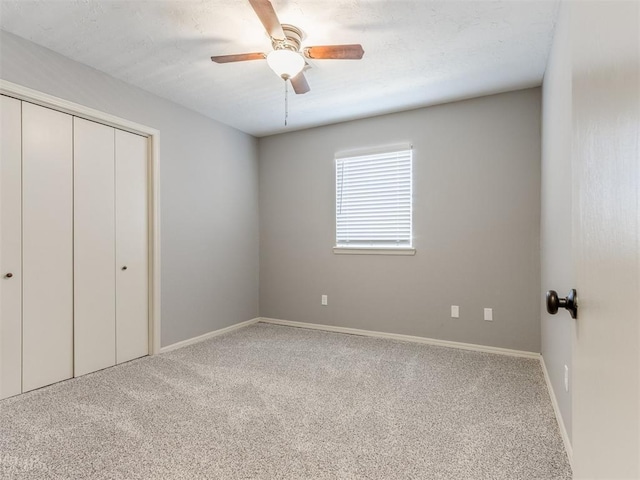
286 102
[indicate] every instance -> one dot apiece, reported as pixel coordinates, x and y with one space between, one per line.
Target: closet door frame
153 183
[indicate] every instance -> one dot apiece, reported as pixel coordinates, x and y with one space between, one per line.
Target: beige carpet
269 402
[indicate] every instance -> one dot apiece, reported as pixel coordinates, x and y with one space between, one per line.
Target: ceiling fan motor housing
292 41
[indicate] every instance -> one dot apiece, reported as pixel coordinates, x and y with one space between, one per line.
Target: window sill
373 251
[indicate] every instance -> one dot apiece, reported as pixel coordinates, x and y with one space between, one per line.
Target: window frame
374 249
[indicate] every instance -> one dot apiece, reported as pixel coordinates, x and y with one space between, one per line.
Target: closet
73 246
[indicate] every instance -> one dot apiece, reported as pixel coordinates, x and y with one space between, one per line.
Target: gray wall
555 225
209 183
476 226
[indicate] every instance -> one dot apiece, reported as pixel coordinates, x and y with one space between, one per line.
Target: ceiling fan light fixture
285 63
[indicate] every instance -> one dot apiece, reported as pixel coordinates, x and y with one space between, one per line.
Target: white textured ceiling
417 52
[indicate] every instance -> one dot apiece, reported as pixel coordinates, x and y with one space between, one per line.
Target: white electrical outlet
325 300
455 311
566 378
488 314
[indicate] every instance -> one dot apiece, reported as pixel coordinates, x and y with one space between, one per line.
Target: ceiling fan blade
268 17
341 52
299 84
240 57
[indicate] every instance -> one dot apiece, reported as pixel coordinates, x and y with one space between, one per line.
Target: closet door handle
124 268
8 275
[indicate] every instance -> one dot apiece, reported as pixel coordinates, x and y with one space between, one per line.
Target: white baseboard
206 336
405 338
556 409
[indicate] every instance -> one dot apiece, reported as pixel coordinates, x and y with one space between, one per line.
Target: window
373 201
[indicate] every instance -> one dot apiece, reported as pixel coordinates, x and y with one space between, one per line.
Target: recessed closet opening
79 249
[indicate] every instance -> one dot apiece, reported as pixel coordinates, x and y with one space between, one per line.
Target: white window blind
373 199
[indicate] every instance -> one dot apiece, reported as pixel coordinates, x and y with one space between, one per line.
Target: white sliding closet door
132 274
94 247
10 247
47 242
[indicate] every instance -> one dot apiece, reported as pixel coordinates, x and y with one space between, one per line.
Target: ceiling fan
286 59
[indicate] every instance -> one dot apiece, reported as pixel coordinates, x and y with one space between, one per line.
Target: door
606 185
10 247
47 246
94 246
132 274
